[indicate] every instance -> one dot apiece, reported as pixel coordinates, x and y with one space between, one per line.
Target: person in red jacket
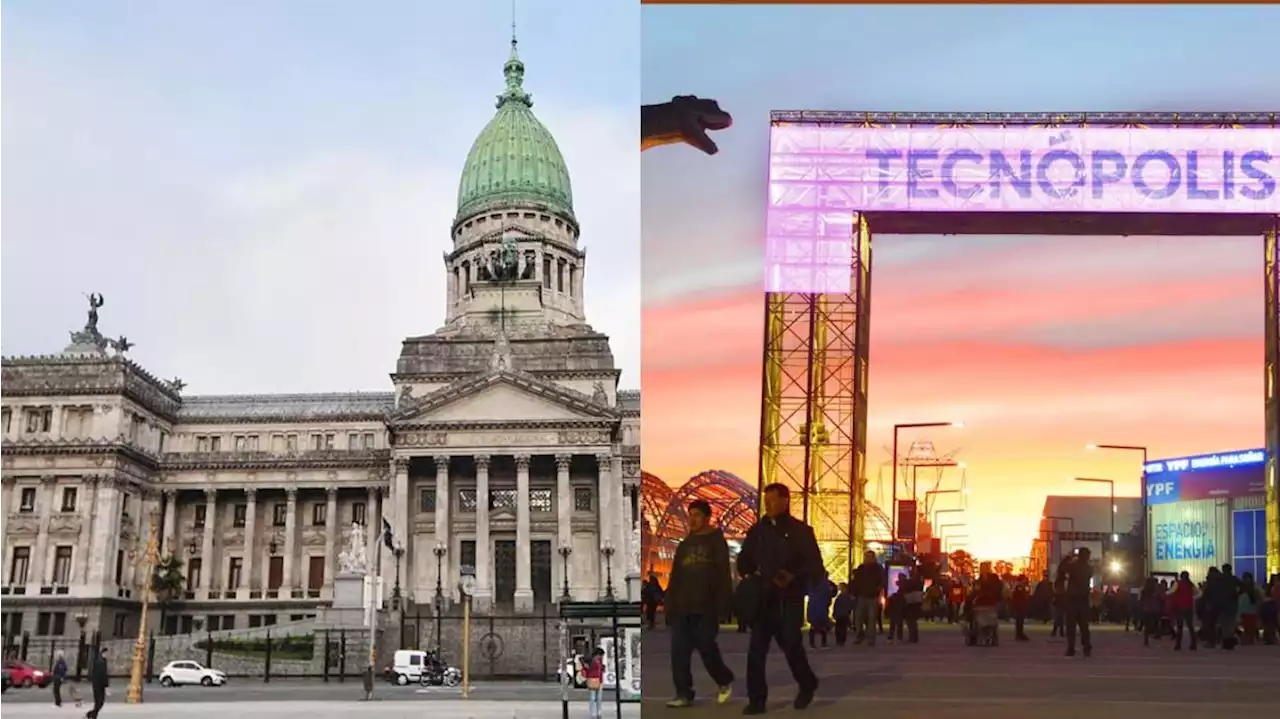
955 600
1182 600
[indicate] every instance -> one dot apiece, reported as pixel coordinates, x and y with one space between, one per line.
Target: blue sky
898 58
263 190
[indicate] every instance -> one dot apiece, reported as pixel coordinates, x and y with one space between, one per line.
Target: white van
407 665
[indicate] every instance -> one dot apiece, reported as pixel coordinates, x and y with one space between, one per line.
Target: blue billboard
1223 475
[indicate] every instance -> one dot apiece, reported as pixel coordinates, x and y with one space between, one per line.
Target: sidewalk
440 709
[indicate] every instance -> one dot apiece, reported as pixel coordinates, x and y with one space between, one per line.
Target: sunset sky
1039 344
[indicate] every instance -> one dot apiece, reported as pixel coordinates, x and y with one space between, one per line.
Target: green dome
515 159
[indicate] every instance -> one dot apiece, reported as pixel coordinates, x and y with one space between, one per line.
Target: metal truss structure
814 388
814 406
734 506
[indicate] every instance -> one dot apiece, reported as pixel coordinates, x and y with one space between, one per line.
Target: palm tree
168 583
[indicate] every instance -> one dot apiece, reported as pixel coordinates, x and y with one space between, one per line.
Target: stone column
206 546
400 512
621 526
168 538
372 528
290 534
90 513
564 518
330 535
40 563
524 571
250 543
442 522
106 535
484 570
5 507
606 521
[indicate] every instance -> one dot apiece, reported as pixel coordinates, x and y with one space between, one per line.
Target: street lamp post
1111 490
608 551
439 550
398 553
1142 521
908 425
565 550
148 561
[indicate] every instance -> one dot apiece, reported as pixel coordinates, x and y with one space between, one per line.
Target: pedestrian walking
783 553
699 596
867 584
59 675
99 680
595 683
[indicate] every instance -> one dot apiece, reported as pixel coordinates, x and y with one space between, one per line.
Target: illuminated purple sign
822 176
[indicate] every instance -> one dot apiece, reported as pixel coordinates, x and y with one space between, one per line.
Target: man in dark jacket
1073 581
783 552
867 583
59 676
650 596
99 681
699 596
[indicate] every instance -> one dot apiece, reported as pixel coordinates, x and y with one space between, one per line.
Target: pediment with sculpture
503 396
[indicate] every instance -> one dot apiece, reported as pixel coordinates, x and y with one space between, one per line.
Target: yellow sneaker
679 703
725 694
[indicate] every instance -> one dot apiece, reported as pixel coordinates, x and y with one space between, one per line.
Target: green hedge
288 647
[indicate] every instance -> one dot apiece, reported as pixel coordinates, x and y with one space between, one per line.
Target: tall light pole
896 428
147 561
1111 490
1142 523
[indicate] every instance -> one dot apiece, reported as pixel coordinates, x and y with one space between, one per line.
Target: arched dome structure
515 161
734 506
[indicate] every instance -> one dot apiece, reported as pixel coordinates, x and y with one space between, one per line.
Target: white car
176 673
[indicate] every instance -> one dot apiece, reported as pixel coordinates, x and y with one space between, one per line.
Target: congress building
504 447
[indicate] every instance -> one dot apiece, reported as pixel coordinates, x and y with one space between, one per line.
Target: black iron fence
323 653
501 646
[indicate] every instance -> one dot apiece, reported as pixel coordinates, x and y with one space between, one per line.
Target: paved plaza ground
446 709
948 680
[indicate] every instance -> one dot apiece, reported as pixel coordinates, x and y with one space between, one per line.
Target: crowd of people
781 585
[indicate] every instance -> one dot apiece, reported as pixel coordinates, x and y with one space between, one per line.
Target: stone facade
503 449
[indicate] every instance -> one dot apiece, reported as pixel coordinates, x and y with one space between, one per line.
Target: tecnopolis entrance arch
837 177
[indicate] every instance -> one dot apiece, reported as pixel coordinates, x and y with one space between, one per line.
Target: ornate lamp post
439 550
149 559
565 550
398 552
607 550
467 585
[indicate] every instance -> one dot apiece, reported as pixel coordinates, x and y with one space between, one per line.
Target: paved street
280 690
1122 679
310 709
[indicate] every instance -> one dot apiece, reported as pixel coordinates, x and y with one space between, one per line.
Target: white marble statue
635 548
353 559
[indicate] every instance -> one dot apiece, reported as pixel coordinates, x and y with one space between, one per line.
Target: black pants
781 621
1019 625
1185 620
842 631
911 615
651 614
1077 620
99 698
696 632
895 621
57 691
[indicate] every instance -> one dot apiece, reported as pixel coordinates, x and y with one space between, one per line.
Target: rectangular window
59 624
466 500
353 441
120 625
317 442
253 443
39 420
467 554
27 502
193 573
500 499
242 443
540 500
239 515
215 444
44 620
20 565
279 514
582 499
119 567
368 440
234 567
62 566
319 513
291 443
427 501
200 515
331 441
277 443
357 513
202 443
315 573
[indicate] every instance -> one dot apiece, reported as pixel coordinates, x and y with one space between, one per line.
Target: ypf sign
1163 489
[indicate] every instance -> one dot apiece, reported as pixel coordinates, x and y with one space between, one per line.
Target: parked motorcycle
436 673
